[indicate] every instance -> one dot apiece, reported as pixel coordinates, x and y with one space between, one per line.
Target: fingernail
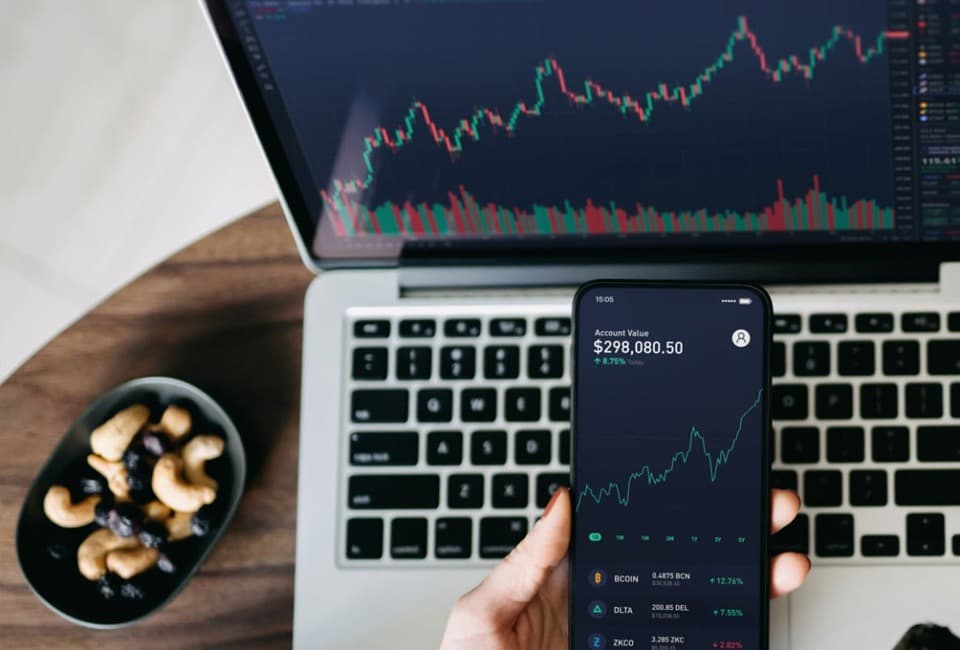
553 499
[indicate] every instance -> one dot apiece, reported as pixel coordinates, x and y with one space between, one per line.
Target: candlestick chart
817 206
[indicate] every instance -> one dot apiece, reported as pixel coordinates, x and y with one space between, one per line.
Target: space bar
927 487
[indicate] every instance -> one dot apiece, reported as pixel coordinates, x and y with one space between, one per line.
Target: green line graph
651 477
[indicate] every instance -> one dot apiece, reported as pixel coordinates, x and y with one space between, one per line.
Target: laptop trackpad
873 607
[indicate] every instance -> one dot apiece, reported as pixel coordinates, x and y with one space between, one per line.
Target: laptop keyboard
457 432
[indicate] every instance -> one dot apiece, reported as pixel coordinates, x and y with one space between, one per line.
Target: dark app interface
668 469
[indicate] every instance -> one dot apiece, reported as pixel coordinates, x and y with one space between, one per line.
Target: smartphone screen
670 464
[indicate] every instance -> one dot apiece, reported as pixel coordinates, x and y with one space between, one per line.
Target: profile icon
740 338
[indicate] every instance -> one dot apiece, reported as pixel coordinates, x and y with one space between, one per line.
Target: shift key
927 487
394 491
388 405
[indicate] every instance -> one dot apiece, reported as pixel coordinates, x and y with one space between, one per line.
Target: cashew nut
176 422
196 453
128 562
157 511
116 474
63 512
174 491
111 438
91 556
178 526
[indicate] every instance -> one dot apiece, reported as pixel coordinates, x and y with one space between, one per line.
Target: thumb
513 583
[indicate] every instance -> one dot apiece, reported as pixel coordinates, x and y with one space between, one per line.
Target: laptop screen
697 123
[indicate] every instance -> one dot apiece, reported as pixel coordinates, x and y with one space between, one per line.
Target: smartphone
669 467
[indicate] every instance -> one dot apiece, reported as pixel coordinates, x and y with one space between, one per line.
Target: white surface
121 141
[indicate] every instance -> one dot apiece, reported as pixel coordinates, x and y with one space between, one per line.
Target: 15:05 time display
639 346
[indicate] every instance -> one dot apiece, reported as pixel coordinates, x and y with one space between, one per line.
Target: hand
522 604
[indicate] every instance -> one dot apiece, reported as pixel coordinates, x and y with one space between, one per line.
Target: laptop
453 169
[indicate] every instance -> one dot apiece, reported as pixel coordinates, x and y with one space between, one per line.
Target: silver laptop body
420 465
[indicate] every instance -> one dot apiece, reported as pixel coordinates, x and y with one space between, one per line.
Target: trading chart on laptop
693 121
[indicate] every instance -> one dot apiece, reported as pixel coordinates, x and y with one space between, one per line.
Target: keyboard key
522 404
778 359
874 322
955 400
532 447
800 444
878 401
924 400
501 362
891 444
786 324
920 322
392 448
552 327
794 538
560 404
834 401
488 447
880 546
953 321
856 358
845 444
789 402
371 329
458 362
565 447
943 357
545 361
901 357
783 479
868 487
462 327
510 491
811 359
828 323
822 488
394 491
418 328
938 444
927 487
925 534
498 535
408 538
956 544
444 448
365 538
465 491
547 484
508 327
478 405
435 405
414 363
834 535
454 538
387 405
370 363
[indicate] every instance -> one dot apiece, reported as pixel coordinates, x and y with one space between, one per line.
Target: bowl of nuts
131 502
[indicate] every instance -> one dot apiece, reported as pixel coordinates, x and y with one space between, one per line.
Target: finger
519 577
784 506
787 572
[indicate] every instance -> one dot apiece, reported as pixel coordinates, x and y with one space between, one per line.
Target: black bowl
48 554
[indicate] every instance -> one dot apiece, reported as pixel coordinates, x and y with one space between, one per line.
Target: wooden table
224 314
